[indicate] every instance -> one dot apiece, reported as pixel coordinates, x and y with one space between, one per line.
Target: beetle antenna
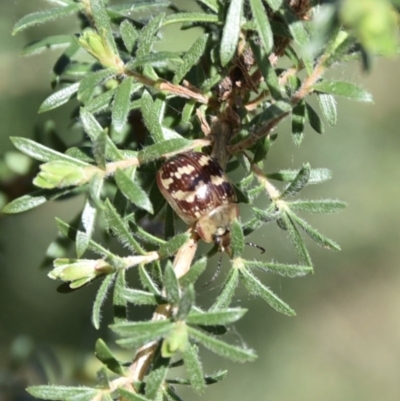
216 274
256 246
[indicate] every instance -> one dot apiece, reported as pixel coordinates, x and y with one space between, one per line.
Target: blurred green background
344 343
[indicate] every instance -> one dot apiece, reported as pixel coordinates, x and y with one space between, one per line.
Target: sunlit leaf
228 290
327 104
221 348
216 317
298 183
34 199
279 268
194 368
47 43
230 33
255 287
132 191
41 17
59 98
320 239
346 89
121 106
100 299
41 152
191 57
262 24
317 206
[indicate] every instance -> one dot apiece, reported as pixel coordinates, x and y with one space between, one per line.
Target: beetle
199 191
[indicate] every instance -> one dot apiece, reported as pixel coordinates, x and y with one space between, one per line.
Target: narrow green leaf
157 59
216 317
105 355
209 83
59 98
297 241
327 104
120 229
129 35
156 378
221 348
314 120
273 112
150 117
160 149
100 299
194 368
237 239
130 396
140 233
97 135
121 106
194 272
138 10
231 30
262 23
90 82
317 206
279 268
346 89
88 216
41 17
34 199
100 102
296 26
255 287
139 297
268 215
138 333
185 303
147 281
132 191
147 35
191 57
341 46
82 153
298 183
47 43
171 284
298 120
119 301
266 70
53 392
321 240
172 246
228 290
147 38
317 175
102 22
182 18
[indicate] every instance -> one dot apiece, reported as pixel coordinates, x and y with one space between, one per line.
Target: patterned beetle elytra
196 187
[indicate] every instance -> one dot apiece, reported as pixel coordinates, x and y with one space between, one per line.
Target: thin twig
143 358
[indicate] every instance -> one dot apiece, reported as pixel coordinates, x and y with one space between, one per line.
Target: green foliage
230 72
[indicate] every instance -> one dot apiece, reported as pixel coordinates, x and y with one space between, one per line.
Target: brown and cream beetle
197 188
